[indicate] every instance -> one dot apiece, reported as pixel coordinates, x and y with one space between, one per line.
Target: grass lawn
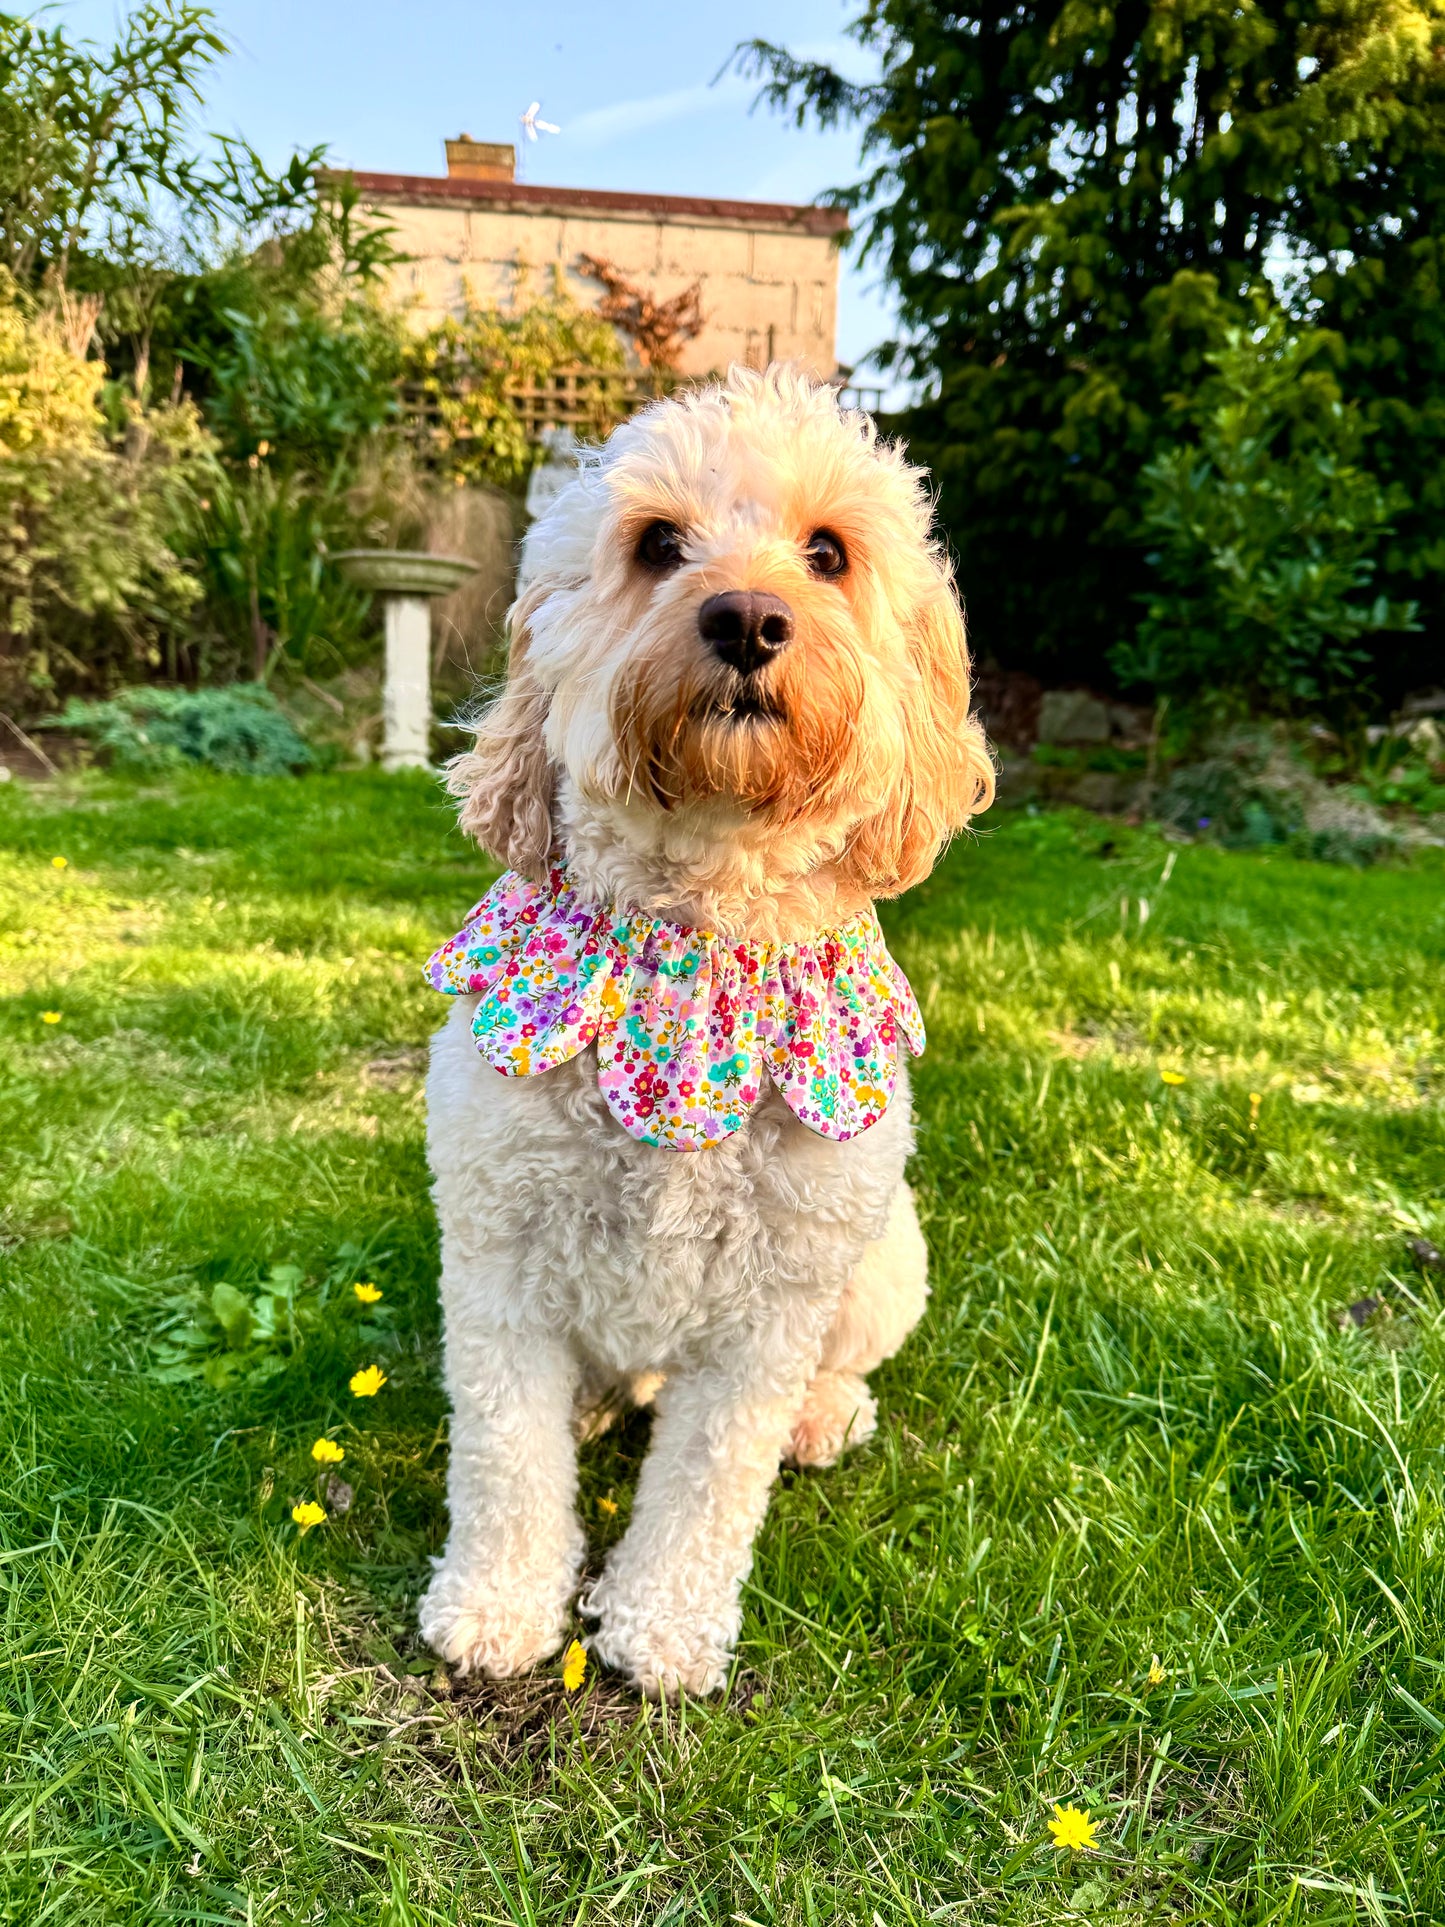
1144 1530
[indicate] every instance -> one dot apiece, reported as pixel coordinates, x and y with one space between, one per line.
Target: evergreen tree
1078 202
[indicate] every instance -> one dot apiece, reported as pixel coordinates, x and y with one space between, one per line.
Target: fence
590 401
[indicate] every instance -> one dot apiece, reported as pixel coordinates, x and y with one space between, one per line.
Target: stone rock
1073 716
466 626
1096 789
1132 725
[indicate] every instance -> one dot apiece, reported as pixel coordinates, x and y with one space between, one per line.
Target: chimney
469 160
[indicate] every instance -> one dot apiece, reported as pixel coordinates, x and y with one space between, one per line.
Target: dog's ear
507 781
946 772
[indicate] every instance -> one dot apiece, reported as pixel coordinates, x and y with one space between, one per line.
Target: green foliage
1048 182
1264 535
237 728
308 383
262 541
299 367
224 1333
252 296
464 368
1405 769
1129 1424
92 575
95 159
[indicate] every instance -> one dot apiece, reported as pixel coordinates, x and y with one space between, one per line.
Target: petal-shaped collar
689 1027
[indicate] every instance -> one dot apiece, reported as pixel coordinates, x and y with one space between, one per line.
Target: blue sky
383 83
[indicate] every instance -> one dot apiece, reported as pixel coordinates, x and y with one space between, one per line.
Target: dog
736 713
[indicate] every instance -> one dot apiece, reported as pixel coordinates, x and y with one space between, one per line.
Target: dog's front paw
838 1412
482 1626
663 1648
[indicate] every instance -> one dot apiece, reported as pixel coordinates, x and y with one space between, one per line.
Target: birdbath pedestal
406 580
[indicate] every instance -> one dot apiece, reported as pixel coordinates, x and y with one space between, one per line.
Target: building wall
768 293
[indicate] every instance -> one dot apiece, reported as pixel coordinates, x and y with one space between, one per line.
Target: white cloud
604 125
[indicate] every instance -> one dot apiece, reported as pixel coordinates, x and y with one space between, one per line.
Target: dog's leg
498 1601
668 1601
881 1304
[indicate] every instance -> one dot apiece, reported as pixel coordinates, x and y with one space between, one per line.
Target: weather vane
532 126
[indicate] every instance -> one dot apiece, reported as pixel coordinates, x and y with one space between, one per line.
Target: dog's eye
826 554
660 545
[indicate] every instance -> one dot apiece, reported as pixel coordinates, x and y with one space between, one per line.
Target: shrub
463 369
262 539
1263 537
92 581
306 380
240 728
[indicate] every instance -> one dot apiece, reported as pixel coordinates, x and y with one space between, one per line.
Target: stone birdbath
406 580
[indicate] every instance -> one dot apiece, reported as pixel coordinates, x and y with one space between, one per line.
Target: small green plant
241 729
1405 770
226 1333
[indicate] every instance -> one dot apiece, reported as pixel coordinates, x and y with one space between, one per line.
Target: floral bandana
688 1026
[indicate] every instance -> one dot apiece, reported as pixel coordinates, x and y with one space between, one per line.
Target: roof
425 190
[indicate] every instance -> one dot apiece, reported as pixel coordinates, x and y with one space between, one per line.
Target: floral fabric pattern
688 1026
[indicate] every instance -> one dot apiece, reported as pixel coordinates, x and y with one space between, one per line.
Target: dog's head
737 611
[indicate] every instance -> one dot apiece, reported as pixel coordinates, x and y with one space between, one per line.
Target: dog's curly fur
752 1286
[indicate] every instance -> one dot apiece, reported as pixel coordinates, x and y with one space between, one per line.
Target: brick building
769 273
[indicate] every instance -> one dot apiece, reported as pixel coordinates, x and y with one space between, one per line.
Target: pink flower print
826 1013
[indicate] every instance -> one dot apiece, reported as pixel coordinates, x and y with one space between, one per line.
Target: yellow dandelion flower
327 1452
1255 1100
308 1514
1156 1675
1072 1830
368 1294
574 1666
608 1506
60 863
263 448
368 1381
1174 1077
50 1016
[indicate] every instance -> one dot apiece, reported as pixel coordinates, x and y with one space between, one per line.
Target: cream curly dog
737 702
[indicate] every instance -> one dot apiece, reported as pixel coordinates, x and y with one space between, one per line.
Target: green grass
1129 1426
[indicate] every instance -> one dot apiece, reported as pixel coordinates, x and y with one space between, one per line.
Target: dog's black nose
746 627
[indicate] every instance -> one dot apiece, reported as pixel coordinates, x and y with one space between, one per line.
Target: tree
94 145
1051 188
